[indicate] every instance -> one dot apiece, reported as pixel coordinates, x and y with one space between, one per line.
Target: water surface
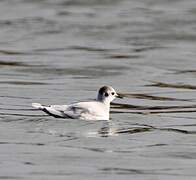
56 52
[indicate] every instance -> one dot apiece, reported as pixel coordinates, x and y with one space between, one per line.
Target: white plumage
89 110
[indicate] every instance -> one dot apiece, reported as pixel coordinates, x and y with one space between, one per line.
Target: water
56 52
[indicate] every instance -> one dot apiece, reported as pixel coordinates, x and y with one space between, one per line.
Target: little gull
98 109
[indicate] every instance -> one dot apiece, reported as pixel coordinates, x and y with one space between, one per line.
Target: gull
98 109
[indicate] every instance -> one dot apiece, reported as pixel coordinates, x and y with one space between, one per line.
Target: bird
98 109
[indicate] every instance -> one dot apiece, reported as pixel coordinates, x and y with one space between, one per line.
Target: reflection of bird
89 110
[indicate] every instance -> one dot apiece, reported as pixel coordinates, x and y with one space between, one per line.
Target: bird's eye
106 94
113 93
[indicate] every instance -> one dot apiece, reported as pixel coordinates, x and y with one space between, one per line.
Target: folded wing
63 111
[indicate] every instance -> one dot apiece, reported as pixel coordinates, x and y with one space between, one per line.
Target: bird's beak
119 95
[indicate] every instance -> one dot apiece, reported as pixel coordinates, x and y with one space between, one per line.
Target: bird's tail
50 110
38 106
